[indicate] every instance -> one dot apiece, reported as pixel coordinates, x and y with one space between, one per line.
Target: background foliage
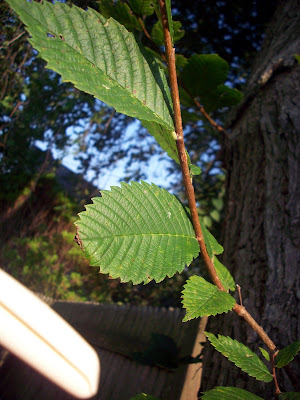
36 105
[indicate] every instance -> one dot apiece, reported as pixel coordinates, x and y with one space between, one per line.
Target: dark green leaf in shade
203 76
289 396
200 298
181 61
158 35
241 356
203 73
144 396
224 275
120 12
101 57
287 354
185 99
229 393
137 232
142 7
265 354
297 58
220 97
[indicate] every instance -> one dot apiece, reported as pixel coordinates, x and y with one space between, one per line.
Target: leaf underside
203 298
229 393
138 232
100 57
241 356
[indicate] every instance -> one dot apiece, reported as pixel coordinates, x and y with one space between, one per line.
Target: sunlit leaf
200 298
100 57
138 232
212 246
265 353
241 356
224 275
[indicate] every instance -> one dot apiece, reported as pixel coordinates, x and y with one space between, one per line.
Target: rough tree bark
261 233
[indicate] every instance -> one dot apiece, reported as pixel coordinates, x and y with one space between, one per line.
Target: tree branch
189 189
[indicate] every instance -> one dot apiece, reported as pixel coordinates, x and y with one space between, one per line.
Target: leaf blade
203 298
102 58
241 356
229 393
289 396
224 275
287 354
137 232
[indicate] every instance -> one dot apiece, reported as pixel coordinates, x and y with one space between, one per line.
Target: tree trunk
261 233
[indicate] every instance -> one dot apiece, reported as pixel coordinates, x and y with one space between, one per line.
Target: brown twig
13 40
189 189
273 362
109 122
240 294
209 118
202 110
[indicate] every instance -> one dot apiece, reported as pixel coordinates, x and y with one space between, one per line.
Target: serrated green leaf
212 246
229 393
158 35
287 354
120 12
144 396
203 73
265 354
102 58
297 58
224 275
241 356
200 298
289 396
138 232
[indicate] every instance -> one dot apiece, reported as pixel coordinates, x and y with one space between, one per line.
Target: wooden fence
117 332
